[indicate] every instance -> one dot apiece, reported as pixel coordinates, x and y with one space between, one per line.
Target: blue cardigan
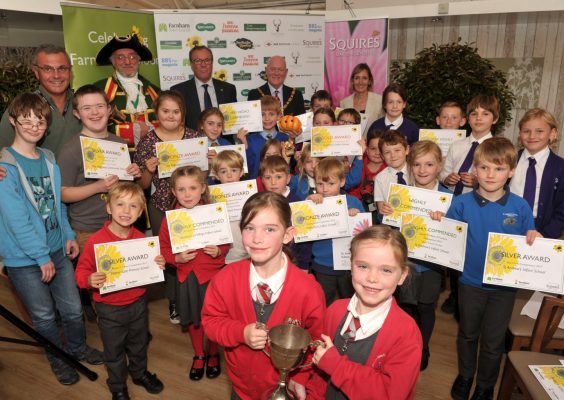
408 128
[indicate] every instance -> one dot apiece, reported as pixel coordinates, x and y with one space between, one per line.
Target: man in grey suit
202 91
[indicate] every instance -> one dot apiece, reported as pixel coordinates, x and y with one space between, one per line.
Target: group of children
371 347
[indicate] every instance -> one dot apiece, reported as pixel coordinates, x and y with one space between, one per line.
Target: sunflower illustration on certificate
410 199
178 153
239 148
443 137
102 158
244 114
326 220
337 140
198 227
342 246
128 263
551 377
510 261
440 242
233 195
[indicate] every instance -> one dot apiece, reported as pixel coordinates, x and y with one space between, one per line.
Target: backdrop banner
348 43
241 44
88 29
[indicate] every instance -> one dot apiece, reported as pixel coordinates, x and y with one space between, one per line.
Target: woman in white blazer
363 99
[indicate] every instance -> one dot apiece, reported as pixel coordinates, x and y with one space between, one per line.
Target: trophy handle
315 344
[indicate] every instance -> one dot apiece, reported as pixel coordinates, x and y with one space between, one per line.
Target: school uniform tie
207 97
276 95
465 167
401 181
388 127
264 293
215 143
530 183
354 326
269 136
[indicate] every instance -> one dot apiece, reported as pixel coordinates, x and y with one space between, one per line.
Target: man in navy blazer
194 90
291 99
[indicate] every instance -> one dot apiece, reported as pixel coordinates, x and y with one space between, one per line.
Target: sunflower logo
194 41
321 139
219 209
443 199
302 218
229 117
168 157
250 186
181 228
414 230
354 129
498 259
555 374
151 244
217 195
93 155
459 228
399 200
122 148
459 134
221 74
558 248
428 135
239 149
110 262
339 201
201 142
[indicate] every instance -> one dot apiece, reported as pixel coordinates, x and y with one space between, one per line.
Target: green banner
87 30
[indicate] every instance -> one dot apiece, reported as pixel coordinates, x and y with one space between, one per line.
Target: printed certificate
129 263
102 158
239 148
327 220
307 124
442 243
414 200
443 137
198 227
178 153
244 114
510 261
234 195
551 377
342 246
336 140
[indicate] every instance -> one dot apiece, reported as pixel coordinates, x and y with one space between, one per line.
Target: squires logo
205 27
244 44
230 27
227 61
371 42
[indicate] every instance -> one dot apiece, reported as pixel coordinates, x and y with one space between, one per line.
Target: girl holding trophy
248 298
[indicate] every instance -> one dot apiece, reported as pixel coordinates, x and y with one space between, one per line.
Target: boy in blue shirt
485 310
37 240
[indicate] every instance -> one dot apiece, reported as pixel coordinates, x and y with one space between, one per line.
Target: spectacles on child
27 124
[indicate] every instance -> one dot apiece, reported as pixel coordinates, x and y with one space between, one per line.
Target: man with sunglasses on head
130 94
52 68
202 91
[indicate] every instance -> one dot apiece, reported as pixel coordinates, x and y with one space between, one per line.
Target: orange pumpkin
289 123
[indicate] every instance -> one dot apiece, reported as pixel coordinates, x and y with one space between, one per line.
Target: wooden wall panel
515 35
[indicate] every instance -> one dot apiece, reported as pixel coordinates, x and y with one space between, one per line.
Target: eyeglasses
121 58
202 61
275 69
98 107
48 69
345 122
27 124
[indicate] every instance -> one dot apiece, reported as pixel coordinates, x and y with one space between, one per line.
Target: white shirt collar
275 282
272 89
473 139
200 83
396 124
371 322
540 157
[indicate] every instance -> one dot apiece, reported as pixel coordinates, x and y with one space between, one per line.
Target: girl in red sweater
194 269
249 297
374 348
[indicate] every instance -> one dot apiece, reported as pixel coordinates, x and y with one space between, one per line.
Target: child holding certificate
425 161
329 179
228 167
539 176
372 348
249 297
485 310
194 269
394 103
303 183
122 315
271 113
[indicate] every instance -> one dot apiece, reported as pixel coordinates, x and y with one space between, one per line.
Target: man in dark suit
202 91
291 99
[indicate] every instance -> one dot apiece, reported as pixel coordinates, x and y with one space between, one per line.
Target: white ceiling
211 4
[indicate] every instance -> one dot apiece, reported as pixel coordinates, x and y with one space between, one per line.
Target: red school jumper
391 370
228 308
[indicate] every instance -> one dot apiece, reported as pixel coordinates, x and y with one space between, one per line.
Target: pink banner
348 43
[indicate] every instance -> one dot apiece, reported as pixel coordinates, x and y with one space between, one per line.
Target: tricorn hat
132 41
